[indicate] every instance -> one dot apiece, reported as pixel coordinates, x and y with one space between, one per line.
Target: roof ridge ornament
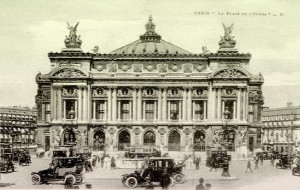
150 34
73 41
227 42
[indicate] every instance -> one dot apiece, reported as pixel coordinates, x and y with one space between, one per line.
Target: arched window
69 137
124 140
149 138
174 141
99 141
199 141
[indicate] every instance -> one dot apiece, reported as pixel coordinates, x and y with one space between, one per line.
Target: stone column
213 104
155 107
219 110
134 104
245 105
43 112
114 104
109 103
94 110
130 110
139 104
85 103
180 110
59 103
119 110
64 111
54 102
184 105
159 104
164 104
105 112
193 111
209 103
205 110
223 109
169 110
234 109
79 111
89 103
238 114
144 110
189 104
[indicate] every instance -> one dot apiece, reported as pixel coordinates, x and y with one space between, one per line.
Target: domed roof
150 43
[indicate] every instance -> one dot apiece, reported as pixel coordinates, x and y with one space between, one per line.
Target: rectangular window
199 107
174 110
100 110
149 110
70 109
125 109
228 109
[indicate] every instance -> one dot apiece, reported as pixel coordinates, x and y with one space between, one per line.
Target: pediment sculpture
230 73
69 73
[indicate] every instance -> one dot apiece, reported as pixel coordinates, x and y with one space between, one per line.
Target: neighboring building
150 93
18 127
281 128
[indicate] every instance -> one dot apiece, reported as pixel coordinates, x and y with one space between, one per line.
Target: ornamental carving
137 68
73 41
200 92
112 68
125 66
81 139
136 131
100 66
255 96
124 92
227 40
230 73
229 92
150 92
111 131
187 131
99 92
242 136
175 67
162 68
175 92
46 95
199 67
187 68
69 73
162 131
149 66
55 136
69 91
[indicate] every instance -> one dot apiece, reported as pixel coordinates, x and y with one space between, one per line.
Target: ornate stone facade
152 93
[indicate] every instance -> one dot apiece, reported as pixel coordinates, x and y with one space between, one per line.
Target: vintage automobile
284 161
216 158
154 169
141 152
64 168
6 163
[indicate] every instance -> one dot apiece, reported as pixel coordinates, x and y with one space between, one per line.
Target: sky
29 30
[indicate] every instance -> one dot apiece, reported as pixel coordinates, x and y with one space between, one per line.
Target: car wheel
73 179
172 182
79 179
131 182
178 178
12 168
294 171
277 165
36 179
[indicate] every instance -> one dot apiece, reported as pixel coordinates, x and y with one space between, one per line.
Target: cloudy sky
31 29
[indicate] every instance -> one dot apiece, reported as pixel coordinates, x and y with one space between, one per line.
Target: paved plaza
266 177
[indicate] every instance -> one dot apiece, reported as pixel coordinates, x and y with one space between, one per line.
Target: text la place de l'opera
150 93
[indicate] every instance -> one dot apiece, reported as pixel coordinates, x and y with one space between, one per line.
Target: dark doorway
174 141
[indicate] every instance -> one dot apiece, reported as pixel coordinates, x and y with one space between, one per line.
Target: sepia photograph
150 94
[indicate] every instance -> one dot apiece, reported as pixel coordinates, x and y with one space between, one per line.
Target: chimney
289 104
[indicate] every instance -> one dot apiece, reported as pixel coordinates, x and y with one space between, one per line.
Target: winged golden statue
227 30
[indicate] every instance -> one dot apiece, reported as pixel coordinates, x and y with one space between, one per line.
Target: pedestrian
197 163
136 162
165 181
102 161
272 161
69 183
201 185
256 162
261 160
106 160
149 184
249 166
113 163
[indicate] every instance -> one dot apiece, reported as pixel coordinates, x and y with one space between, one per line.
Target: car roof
64 158
160 158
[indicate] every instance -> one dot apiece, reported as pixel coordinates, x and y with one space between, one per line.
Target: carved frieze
149 66
175 92
162 131
125 92
55 134
69 91
125 66
46 94
112 68
150 92
99 92
69 73
137 68
230 73
200 92
229 92
99 66
187 68
174 67
162 68
199 66
255 96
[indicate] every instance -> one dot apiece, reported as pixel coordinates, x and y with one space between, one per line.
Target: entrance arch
124 140
149 138
199 141
174 141
69 137
99 141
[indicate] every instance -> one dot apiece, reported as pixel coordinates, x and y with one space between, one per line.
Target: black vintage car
155 170
24 158
6 163
141 152
66 168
